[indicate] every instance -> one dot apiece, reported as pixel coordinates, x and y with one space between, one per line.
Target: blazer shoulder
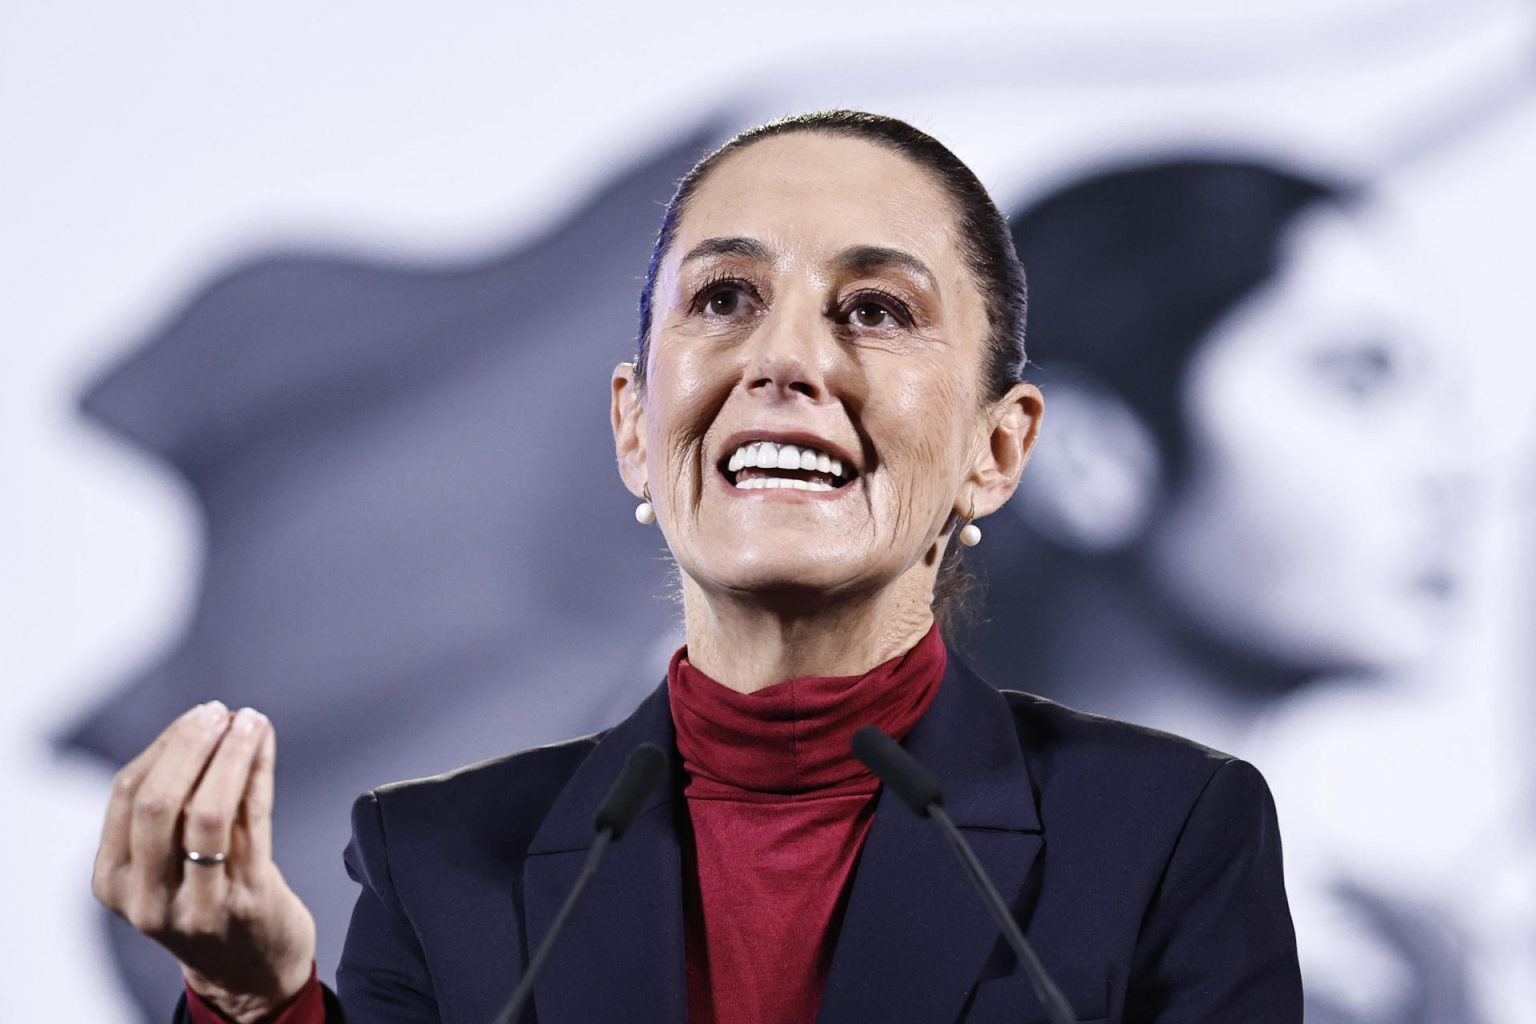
1050 723
494 805
1113 761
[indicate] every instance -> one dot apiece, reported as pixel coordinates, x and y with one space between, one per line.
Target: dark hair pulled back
1135 264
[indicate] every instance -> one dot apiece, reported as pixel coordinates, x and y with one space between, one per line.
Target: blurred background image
311 313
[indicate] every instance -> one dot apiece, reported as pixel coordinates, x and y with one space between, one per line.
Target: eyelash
892 304
712 285
898 309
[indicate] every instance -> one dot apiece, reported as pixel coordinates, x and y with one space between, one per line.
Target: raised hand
186 858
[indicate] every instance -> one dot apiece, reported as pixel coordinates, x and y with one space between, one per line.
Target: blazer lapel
620 957
916 936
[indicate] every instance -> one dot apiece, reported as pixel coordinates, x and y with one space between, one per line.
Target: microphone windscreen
897 769
641 773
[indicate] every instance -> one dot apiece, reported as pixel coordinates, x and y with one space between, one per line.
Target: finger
254 829
113 853
155 860
214 804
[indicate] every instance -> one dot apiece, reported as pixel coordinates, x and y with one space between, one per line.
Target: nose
1449 482
791 353
1453 494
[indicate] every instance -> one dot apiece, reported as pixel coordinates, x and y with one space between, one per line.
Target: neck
747 642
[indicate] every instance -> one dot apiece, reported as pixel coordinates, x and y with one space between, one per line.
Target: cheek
924 426
1259 483
682 399
1317 477
1314 482
1279 534
1263 500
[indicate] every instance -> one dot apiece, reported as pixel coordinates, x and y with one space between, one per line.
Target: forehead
809 195
1338 282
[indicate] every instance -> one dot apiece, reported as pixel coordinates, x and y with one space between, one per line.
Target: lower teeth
771 483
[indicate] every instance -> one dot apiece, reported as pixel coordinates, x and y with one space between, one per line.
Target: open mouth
768 465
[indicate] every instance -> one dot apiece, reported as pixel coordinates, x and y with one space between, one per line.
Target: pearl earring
645 512
970 533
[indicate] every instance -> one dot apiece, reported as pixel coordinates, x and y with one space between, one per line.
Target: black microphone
614 815
911 781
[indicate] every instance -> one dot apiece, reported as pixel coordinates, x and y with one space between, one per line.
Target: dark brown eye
872 309
1362 371
726 302
869 314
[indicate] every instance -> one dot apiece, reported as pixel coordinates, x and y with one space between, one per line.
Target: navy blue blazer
1145 870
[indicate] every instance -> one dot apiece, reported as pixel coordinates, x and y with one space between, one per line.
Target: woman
1247 477
828 393
1248 486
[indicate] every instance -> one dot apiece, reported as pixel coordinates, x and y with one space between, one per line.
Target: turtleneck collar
792 738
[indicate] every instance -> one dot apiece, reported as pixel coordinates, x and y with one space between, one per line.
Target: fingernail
247 719
214 714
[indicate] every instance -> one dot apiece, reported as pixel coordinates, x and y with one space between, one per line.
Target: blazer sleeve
383 974
1217 942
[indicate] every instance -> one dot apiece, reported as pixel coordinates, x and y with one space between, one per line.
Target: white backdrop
143 144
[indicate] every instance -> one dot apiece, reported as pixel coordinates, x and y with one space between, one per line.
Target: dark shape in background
418 552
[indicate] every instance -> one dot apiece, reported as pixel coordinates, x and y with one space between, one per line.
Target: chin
1395 633
779 575
1382 647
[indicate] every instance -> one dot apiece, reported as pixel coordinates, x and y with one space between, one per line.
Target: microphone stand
514 1008
642 771
918 790
1045 988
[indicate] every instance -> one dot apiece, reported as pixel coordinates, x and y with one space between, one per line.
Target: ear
1012 425
628 416
1098 473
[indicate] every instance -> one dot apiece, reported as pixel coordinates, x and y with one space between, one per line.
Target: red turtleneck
780 808
308 1007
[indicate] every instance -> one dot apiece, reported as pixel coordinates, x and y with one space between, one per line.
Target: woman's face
1314 526
812 413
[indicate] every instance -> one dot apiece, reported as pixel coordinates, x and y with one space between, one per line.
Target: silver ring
210 859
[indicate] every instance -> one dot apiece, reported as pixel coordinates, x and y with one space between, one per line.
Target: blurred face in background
1315 524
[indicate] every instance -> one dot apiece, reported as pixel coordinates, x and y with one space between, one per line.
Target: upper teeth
768 455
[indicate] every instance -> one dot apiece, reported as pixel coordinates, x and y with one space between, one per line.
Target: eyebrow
735 245
860 258
867 258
